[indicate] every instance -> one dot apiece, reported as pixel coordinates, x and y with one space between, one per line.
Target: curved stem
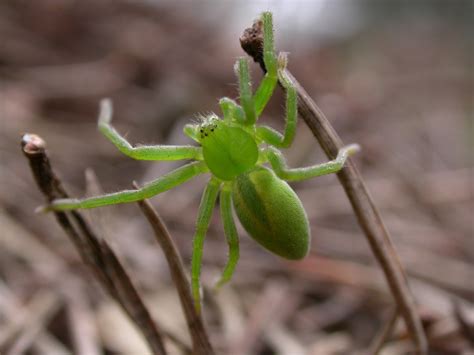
350 178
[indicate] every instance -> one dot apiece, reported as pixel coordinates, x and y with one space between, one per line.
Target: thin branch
94 251
200 339
367 214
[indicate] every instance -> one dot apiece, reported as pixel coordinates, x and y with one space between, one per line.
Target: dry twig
94 251
368 216
201 344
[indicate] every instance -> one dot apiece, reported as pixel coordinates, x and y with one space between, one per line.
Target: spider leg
191 131
245 88
232 237
206 207
268 134
163 183
253 105
278 163
146 152
231 110
268 83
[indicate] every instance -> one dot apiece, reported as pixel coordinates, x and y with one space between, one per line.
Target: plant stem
201 344
93 250
367 213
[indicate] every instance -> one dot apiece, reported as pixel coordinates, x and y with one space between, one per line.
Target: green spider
233 149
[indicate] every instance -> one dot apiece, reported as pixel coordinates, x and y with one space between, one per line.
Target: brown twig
94 251
367 214
200 339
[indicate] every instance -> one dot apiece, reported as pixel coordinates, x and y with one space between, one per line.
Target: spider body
271 213
227 161
269 210
234 150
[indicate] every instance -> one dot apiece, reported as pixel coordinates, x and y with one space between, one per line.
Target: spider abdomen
272 213
228 151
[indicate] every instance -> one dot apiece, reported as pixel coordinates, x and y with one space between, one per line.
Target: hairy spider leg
270 135
268 83
231 110
145 152
155 187
245 89
208 201
278 163
225 200
253 105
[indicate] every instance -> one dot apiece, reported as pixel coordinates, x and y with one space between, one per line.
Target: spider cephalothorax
247 170
228 149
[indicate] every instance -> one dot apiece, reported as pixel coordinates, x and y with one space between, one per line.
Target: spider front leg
268 83
231 110
163 183
253 105
230 231
152 152
245 88
206 207
268 134
278 163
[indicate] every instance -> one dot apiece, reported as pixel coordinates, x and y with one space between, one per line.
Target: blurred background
394 76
